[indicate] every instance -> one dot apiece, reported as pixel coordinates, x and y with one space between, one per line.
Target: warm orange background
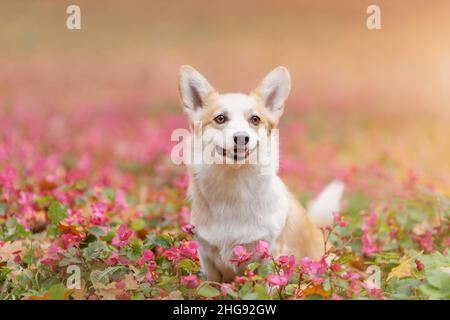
367 93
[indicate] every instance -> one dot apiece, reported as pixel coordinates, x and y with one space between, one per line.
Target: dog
233 202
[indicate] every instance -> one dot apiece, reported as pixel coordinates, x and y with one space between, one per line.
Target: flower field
91 206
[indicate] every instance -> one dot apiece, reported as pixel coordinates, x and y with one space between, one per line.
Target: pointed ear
194 88
274 90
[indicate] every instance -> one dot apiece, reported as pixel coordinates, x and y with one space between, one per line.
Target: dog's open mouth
236 154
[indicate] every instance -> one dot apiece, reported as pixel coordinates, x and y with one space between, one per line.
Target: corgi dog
233 201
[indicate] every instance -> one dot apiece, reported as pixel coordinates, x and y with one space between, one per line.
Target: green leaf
56 292
2 209
160 240
28 258
250 296
206 290
246 289
97 231
189 266
138 224
56 212
261 291
266 269
253 266
168 283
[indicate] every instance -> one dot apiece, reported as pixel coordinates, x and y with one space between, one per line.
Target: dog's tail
328 201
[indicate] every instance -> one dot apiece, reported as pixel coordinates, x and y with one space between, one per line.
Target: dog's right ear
194 88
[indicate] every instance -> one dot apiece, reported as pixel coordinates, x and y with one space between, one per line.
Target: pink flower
339 219
99 207
113 259
53 254
172 254
120 200
263 248
368 246
184 214
120 285
288 265
313 267
122 236
188 249
335 267
181 182
151 276
225 288
240 280
147 255
188 228
74 216
277 280
125 261
350 276
317 280
191 281
69 240
242 255
98 213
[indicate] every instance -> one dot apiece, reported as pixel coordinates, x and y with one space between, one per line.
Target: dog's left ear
194 88
274 90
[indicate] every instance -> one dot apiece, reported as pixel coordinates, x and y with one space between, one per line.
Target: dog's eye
255 120
220 119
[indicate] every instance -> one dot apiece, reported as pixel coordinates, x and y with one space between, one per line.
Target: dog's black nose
241 138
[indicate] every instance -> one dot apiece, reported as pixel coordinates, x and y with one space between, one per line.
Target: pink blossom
242 255
99 207
98 218
191 281
184 215
151 276
339 219
313 267
188 228
225 288
240 280
182 182
335 267
188 249
74 216
122 236
120 285
317 280
288 264
120 200
147 255
53 254
368 246
172 254
113 259
277 280
69 240
263 248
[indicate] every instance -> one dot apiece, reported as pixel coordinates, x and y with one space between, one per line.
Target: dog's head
232 123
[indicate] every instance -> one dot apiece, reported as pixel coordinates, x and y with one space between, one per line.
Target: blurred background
361 100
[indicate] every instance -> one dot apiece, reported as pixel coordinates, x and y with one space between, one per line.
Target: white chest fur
237 206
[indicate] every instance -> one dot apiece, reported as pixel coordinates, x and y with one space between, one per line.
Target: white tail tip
328 201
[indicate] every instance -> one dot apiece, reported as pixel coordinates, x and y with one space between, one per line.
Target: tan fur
300 237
